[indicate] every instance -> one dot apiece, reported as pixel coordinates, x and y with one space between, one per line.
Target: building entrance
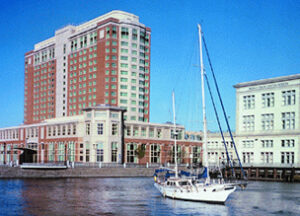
28 155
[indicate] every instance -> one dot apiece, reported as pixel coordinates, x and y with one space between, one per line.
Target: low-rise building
268 121
98 135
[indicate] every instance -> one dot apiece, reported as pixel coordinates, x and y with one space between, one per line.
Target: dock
267 173
53 166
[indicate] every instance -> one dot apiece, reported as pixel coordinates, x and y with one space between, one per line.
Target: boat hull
217 194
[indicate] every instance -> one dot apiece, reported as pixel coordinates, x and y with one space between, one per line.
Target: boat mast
205 161
175 135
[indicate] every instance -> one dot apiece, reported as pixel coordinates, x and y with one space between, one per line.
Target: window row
268 99
267 121
83 41
267 157
100 129
61 130
289 143
44 55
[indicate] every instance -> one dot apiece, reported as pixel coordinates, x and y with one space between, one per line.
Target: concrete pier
282 174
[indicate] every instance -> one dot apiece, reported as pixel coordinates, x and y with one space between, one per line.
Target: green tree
141 150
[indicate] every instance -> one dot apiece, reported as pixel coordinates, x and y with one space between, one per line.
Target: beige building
267 121
98 135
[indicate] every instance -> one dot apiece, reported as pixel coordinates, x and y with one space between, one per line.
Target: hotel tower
102 61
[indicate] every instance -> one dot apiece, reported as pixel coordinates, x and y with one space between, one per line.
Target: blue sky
247 40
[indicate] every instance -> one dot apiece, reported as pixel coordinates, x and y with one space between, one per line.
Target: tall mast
175 134
203 103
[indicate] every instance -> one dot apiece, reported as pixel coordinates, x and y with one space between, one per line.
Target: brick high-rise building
102 61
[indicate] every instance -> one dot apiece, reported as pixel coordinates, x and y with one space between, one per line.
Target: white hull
214 193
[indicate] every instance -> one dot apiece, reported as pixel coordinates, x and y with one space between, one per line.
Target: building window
87 154
87 128
287 157
212 156
178 134
124 33
143 132
267 143
123 101
114 151
196 154
100 128
266 157
288 97
114 129
248 143
155 153
290 143
128 131
267 121
151 132
288 120
249 102
69 129
158 134
58 130
63 130
53 131
49 131
100 155
268 99
134 35
61 151
74 129
99 152
248 157
71 151
135 131
51 152
179 154
131 153
248 122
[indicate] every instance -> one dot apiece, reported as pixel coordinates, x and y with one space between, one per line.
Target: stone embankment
18 173
7 172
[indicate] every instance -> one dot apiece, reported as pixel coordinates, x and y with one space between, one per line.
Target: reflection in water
11 201
136 196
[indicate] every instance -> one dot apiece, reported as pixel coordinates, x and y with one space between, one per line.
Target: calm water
136 196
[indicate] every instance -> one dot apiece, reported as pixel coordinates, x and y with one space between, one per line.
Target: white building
267 121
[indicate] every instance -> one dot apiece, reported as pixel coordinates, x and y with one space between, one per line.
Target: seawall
7 172
19 173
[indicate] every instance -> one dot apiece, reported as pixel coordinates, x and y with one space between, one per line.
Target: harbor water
136 196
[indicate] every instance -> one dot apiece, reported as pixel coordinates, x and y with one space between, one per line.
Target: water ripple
136 196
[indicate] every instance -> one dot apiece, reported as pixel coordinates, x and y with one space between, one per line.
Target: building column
66 152
4 159
292 174
266 173
283 175
55 152
226 173
274 173
257 173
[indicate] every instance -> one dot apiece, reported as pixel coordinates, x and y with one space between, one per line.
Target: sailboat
190 189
